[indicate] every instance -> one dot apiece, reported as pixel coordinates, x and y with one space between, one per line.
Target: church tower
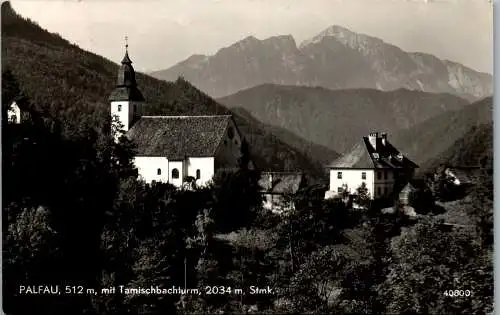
126 100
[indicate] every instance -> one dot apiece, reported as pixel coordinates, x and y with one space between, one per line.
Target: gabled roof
364 156
281 183
177 137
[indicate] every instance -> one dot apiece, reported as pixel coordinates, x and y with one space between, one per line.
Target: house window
158 171
175 173
340 190
119 108
379 191
339 175
386 191
363 175
379 175
13 118
385 174
198 174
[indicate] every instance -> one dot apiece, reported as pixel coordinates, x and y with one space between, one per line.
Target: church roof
126 59
364 156
177 137
126 85
124 93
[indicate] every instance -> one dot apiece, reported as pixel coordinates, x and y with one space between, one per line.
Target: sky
162 33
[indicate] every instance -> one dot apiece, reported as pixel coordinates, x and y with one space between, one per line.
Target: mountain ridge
336 58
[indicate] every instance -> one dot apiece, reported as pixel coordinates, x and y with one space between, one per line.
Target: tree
428 262
236 198
362 197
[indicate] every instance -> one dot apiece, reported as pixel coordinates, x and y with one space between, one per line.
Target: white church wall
126 110
175 165
352 178
230 148
121 109
148 167
206 167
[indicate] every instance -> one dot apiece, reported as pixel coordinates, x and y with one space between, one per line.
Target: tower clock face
230 132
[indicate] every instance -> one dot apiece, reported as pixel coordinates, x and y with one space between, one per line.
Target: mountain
73 85
338 119
438 140
336 58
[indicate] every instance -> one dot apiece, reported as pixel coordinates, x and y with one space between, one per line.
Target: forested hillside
426 141
73 85
338 119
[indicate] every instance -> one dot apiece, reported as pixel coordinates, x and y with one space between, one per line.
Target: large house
173 149
376 163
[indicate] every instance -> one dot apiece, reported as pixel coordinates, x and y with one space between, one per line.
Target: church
173 149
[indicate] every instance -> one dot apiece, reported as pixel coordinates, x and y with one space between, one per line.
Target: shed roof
177 137
281 183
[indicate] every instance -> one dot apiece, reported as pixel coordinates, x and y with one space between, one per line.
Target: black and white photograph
247 157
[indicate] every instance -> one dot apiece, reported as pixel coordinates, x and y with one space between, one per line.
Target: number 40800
457 293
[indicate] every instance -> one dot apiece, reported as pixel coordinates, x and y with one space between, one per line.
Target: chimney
383 135
372 137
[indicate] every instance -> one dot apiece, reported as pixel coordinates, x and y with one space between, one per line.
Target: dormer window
119 108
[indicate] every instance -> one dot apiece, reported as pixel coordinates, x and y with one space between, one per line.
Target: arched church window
119 108
175 173
158 171
198 174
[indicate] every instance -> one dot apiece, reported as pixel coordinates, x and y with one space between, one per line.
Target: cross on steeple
126 43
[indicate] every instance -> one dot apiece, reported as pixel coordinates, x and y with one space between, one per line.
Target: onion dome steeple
126 85
126 73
